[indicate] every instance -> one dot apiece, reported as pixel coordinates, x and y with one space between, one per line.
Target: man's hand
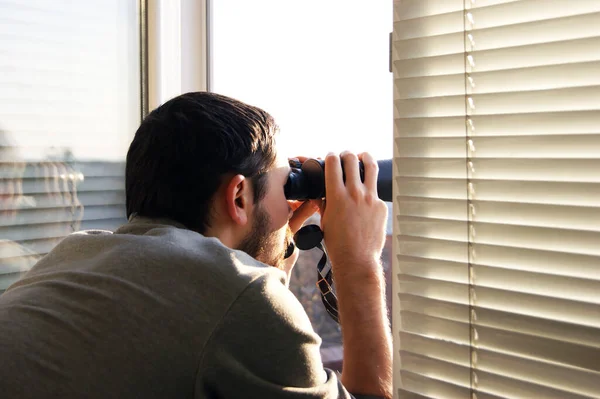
353 224
354 218
302 210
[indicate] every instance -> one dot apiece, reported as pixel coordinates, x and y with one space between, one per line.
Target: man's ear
238 198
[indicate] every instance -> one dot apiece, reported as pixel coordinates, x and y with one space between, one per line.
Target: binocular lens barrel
307 180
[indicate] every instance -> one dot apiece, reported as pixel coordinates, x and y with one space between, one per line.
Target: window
69 105
497 131
321 68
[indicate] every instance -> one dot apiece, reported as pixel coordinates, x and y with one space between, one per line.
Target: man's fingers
300 215
351 170
371 171
320 204
300 158
334 183
294 204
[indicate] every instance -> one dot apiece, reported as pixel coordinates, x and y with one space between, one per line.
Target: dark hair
182 150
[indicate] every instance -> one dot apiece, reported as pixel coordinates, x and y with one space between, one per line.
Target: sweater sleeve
265 347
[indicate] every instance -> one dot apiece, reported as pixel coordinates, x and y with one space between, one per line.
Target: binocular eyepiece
307 180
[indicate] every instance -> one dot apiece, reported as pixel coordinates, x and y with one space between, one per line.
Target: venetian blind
69 105
497 198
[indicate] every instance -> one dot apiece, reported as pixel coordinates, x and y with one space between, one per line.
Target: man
190 299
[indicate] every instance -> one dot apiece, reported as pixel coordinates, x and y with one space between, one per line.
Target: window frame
175 49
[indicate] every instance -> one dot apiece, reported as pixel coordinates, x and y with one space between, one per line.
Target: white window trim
177 57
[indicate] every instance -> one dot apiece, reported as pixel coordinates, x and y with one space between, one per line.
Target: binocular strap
325 283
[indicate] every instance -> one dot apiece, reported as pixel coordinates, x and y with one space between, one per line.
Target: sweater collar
142 224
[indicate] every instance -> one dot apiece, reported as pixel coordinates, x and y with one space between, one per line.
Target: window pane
69 104
321 69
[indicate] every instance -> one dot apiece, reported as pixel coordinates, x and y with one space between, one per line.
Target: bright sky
320 67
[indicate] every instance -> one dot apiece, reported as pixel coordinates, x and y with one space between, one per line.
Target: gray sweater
157 311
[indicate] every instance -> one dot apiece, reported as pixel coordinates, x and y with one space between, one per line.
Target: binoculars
307 180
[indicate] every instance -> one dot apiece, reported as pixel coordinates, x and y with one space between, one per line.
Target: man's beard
265 245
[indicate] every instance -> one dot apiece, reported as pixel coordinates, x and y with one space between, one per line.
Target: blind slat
528 33
430 248
488 16
551 170
509 236
517 344
545 124
528 79
526 56
404 394
7 279
580 99
410 9
42 186
86 198
542 284
543 307
502 320
535 261
436 369
65 214
58 170
525 192
430 387
574 146
415 210
526 260
57 230
33 247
